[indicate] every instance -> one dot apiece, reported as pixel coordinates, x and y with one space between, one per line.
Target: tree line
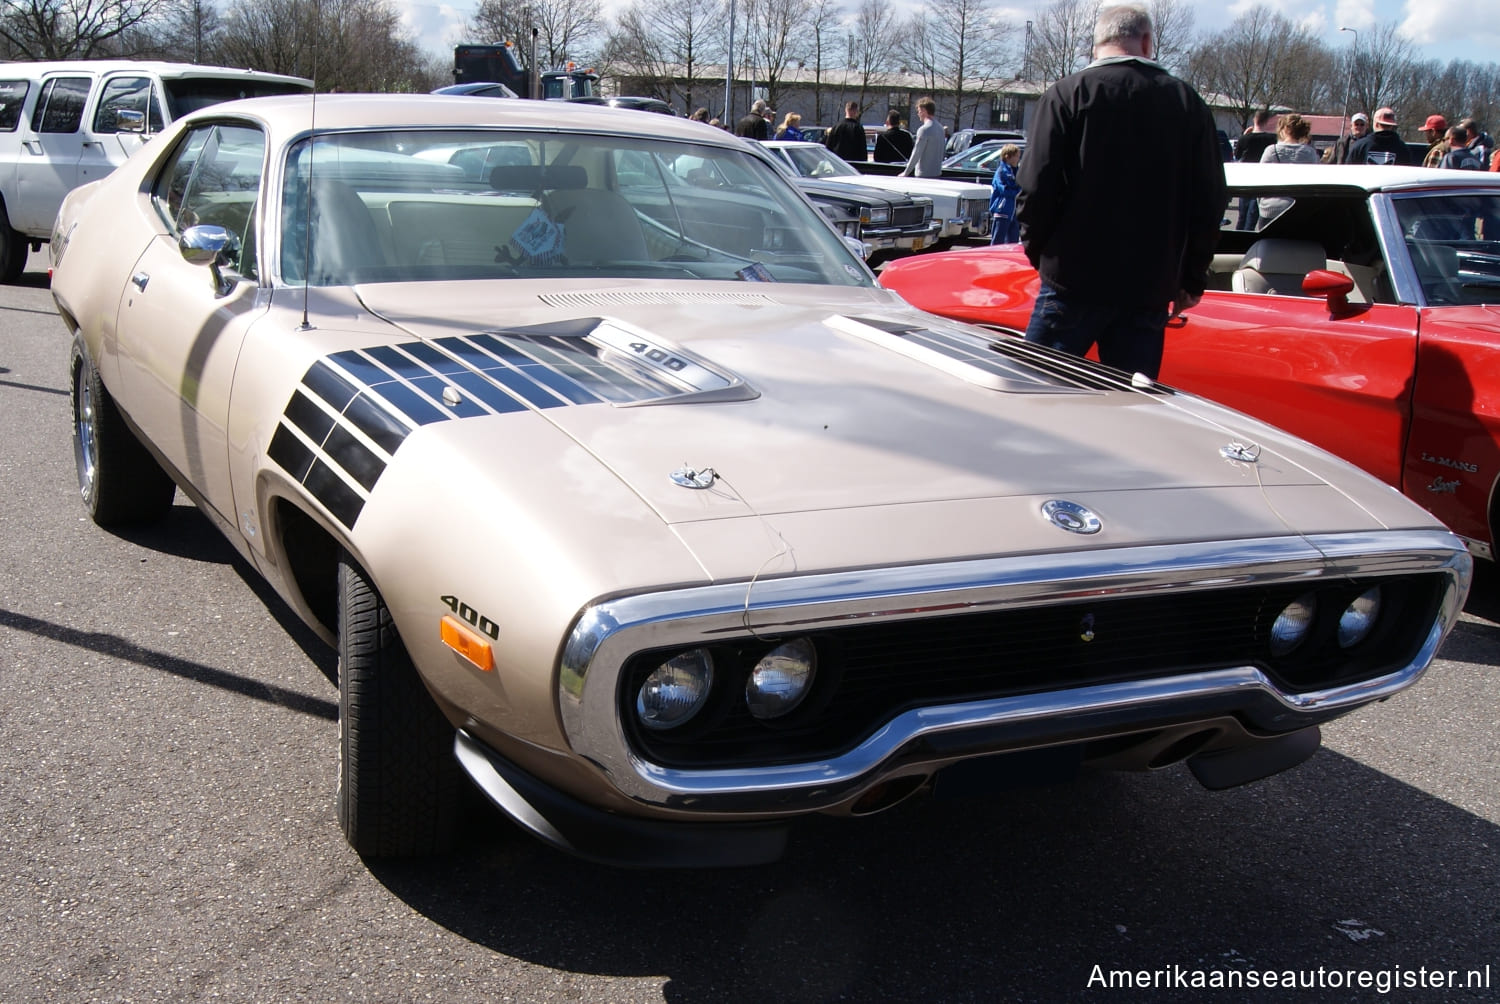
970 48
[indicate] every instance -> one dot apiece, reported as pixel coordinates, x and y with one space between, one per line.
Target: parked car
886 221
962 208
478 89
965 138
635 103
665 527
1363 317
978 162
64 124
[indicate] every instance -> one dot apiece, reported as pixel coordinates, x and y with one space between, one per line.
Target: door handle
140 279
33 146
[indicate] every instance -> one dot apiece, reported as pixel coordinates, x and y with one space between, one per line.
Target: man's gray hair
1124 23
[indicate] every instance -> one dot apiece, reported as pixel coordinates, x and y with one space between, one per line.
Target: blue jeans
1005 230
1129 338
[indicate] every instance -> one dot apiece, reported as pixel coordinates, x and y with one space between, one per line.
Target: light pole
1349 79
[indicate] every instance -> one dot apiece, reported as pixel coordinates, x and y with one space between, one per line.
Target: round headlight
1293 624
676 690
781 679
1359 618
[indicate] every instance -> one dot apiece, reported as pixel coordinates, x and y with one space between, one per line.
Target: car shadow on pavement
1015 896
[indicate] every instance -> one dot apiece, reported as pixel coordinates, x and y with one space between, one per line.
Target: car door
51 147
128 112
179 331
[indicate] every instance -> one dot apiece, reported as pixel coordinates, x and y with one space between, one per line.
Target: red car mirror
1334 285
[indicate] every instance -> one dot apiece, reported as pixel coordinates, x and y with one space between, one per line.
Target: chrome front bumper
606 634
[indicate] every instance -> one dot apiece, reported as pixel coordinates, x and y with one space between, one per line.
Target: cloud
437 27
1355 14
1432 21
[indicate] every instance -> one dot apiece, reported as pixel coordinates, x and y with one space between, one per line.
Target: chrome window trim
1404 281
608 632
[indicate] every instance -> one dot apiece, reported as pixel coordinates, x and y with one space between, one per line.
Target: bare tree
1383 63
1259 60
566 29
346 45
1062 38
71 29
1172 24
871 30
823 17
773 39
660 40
970 42
189 30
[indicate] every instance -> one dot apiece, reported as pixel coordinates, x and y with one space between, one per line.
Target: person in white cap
1384 145
1359 127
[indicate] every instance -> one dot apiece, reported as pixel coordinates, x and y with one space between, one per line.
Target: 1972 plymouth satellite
1359 308
665 525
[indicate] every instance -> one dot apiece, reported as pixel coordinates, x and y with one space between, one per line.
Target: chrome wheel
85 428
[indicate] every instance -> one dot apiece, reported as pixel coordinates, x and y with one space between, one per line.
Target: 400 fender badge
1071 516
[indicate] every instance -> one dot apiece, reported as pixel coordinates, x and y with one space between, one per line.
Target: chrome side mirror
214 246
130 120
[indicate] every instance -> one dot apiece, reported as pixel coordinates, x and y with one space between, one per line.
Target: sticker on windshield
755 272
539 236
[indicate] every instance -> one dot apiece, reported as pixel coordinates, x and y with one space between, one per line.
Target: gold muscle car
642 508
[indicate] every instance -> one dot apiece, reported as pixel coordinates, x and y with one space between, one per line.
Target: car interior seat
344 238
1277 266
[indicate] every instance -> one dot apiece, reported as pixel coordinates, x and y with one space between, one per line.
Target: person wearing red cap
1383 146
1435 129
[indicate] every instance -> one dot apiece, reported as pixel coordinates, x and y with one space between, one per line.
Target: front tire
400 786
121 483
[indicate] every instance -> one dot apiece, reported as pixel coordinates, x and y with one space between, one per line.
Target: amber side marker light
466 643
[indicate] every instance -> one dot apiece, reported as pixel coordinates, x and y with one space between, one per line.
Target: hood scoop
1003 362
649 297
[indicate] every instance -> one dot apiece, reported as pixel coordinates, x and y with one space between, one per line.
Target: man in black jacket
1384 145
894 145
847 139
1122 195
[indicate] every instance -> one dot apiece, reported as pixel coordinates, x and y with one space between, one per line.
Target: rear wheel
121 483
400 787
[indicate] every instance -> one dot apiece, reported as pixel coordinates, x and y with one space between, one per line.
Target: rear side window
188 94
127 94
60 108
12 97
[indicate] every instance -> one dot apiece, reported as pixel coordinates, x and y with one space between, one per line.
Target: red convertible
1358 307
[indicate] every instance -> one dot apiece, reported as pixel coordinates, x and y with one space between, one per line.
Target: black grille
869 674
906 216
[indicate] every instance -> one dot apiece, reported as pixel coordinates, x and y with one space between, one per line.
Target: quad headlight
781 679
676 690
1293 624
1358 618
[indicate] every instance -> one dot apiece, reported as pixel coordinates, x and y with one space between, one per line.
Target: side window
60 108
214 178
12 97
127 94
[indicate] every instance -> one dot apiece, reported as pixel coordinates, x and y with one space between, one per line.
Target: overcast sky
1442 29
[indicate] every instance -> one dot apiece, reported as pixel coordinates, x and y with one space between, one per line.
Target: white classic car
650 514
963 207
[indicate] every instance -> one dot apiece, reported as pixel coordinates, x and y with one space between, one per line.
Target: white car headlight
676 690
1359 617
1293 624
781 679
880 215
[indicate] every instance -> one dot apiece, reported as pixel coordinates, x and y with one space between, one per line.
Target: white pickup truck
64 124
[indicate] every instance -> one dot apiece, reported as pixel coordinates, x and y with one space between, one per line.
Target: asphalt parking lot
168 830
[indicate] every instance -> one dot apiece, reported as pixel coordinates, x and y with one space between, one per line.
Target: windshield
817 162
1454 242
188 94
404 206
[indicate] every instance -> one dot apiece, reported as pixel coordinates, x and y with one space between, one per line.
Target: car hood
931 187
845 411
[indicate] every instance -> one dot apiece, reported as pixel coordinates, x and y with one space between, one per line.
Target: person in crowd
701 115
1249 147
789 128
1383 145
1481 142
926 160
754 125
1459 157
1435 130
1247 150
1291 147
847 139
1004 227
895 144
1080 200
1359 127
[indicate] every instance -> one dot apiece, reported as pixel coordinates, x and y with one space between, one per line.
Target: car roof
292 114
1370 177
98 67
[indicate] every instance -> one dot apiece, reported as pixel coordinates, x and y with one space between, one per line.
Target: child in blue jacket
1004 227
